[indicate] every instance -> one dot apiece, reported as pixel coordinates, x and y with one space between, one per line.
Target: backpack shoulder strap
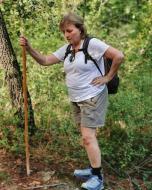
85 48
68 51
87 55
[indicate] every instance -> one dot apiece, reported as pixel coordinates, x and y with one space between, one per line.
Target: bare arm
117 58
40 58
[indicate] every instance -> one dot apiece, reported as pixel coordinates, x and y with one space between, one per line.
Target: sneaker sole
101 188
87 189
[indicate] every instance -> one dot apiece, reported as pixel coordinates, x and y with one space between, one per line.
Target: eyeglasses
72 57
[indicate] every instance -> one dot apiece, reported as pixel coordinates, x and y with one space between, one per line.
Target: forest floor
43 176
13 175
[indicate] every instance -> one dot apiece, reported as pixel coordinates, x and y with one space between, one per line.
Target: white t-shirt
80 75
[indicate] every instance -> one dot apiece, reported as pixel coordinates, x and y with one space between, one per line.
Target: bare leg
91 145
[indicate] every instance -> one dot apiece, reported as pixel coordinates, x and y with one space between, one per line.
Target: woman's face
72 34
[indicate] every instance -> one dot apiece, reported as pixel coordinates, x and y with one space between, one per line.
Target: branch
45 186
141 165
114 170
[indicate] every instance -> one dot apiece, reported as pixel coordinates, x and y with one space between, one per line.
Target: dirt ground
13 175
45 177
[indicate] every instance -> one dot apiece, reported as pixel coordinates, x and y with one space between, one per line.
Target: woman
86 88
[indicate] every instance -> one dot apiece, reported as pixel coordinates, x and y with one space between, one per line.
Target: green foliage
110 14
126 138
12 139
123 147
4 176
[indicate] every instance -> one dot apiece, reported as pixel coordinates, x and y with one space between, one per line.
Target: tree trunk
13 77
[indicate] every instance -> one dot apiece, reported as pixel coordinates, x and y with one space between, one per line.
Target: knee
87 140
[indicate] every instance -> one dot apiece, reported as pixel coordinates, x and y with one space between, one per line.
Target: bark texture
13 76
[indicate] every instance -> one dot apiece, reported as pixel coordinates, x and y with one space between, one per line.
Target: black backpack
111 85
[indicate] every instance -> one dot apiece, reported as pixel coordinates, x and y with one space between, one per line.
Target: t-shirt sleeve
97 48
60 53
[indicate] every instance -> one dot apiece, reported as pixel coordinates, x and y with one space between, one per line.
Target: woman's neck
76 46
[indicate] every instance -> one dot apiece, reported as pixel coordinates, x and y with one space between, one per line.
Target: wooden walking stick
25 110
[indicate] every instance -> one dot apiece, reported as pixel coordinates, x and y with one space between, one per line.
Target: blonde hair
72 18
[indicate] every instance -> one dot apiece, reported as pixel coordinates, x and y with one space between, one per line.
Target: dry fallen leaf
35 183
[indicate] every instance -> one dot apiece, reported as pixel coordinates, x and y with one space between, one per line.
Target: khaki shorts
91 112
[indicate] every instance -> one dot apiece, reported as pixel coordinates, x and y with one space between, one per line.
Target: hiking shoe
94 183
83 174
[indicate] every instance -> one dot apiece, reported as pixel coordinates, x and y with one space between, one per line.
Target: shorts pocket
95 99
91 101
